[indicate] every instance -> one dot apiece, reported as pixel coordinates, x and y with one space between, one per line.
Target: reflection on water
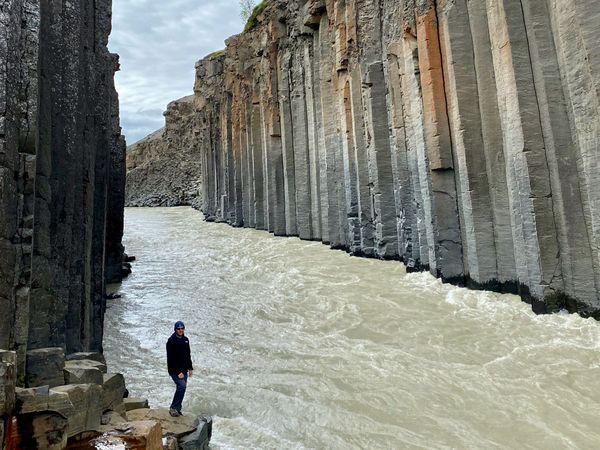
297 346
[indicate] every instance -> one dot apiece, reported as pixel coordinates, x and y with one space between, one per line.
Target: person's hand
191 373
181 376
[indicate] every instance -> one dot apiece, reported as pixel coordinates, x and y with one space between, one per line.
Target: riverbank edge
72 402
550 304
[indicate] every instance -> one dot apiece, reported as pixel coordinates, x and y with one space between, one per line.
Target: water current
297 346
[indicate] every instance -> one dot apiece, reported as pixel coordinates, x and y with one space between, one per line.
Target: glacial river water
300 347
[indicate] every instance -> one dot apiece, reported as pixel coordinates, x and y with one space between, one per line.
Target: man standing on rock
179 362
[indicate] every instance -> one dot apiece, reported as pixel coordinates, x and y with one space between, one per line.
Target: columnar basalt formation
62 174
62 180
460 137
163 169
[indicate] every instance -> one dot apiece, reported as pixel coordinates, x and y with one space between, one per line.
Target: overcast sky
159 42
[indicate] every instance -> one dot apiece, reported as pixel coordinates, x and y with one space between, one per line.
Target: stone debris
77 416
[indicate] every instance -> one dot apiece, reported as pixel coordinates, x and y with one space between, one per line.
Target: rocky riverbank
458 137
73 402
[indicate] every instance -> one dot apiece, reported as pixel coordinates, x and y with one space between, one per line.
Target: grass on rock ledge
258 9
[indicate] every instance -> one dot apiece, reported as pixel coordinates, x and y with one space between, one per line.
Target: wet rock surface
177 426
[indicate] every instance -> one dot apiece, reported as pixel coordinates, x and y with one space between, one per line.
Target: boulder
40 399
46 431
177 426
84 410
199 439
113 391
45 366
94 356
8 381
83 371
135 403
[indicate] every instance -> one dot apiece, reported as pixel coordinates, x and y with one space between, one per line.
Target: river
297 346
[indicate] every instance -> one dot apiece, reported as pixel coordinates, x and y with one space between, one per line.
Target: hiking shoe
174 413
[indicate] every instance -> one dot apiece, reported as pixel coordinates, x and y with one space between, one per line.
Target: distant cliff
163 169
460 137
62 175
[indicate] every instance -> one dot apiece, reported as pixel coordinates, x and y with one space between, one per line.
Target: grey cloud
159 42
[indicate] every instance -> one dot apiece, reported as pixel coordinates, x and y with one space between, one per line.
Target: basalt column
19 50
460 137
61 174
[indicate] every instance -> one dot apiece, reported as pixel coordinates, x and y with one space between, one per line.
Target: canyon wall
163 169
460 137
62 175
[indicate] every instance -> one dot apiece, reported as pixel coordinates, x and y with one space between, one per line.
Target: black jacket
179 359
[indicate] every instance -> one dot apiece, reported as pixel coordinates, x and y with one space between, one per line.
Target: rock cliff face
163 169
62 174
460 137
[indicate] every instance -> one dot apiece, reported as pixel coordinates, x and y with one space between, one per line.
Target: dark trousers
181 384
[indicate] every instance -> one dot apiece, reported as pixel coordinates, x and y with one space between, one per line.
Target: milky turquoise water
297 346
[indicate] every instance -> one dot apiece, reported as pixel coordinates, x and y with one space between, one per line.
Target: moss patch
216 54
258 9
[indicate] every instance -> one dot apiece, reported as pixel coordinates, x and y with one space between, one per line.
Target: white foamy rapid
300 347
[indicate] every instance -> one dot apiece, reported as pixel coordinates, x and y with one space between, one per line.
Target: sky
159 42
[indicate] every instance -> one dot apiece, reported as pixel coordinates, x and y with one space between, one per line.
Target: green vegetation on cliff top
255 13
216 54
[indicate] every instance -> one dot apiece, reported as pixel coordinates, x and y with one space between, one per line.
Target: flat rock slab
84 371
98 357
135 403
41 398
179 426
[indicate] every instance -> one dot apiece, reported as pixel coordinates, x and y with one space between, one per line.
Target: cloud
159 43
